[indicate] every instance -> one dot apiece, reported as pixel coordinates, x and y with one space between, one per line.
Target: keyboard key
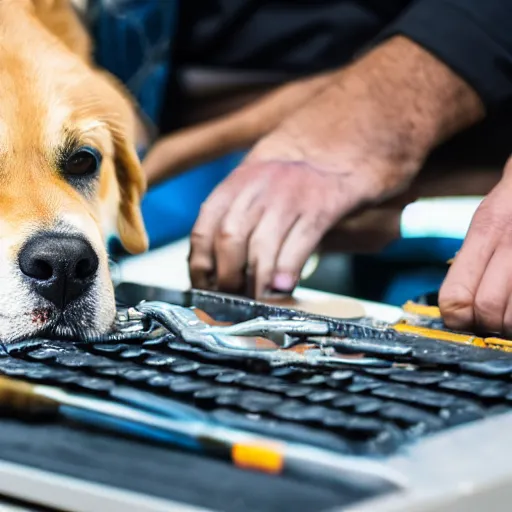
290 373
161 381
206 370
134 354
362 383
46 354
478 386
459 414
230 377
357 403
283 430
321 396
419 377
415 395
298 391
159 360
314 380
137 375
184 367
408 416
207 398
496 367
297 411
370 435
257 381
17 367
110 349
340 378
87 383
186 385
358 426
69 358
257 402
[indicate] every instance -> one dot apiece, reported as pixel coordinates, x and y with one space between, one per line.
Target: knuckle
487 308
456 305
453 296
198 236
492 218
320 220
228 233
200 263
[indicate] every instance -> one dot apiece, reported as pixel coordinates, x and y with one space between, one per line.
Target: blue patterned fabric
133 40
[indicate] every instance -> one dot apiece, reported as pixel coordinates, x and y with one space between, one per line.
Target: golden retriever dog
69 173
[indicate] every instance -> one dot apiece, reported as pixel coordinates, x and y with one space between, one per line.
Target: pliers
268 339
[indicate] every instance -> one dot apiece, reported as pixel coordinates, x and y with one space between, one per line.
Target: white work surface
167 267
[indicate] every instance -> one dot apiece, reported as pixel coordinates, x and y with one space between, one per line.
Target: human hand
359 142
477 292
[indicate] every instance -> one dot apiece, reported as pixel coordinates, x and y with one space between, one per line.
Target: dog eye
83 162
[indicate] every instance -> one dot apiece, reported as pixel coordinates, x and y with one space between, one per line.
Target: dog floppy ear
132 185
128 169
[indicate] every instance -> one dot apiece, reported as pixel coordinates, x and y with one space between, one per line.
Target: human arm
358 142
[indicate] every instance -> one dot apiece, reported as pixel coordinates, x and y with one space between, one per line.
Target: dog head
69 176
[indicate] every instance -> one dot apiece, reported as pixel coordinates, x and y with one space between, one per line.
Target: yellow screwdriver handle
22 397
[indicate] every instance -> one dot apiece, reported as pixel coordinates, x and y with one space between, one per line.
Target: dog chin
82 320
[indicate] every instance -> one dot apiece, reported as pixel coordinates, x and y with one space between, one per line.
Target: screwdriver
183 426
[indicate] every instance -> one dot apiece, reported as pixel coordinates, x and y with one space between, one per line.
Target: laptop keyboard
423 386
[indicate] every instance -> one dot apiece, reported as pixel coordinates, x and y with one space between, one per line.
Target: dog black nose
60 268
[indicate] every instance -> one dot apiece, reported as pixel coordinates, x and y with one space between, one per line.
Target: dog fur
50 91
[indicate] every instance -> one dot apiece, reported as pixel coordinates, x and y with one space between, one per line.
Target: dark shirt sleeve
473 37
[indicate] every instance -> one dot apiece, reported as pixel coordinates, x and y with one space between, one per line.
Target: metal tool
239 309
242 340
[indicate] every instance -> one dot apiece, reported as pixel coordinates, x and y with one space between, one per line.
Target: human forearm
472 37
393 105
434 102
236 131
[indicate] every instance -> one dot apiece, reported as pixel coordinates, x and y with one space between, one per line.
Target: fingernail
283 282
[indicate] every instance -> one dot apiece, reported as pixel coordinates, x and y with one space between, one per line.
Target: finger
232 238
458 292
298 246
493 294
201 257
264 247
